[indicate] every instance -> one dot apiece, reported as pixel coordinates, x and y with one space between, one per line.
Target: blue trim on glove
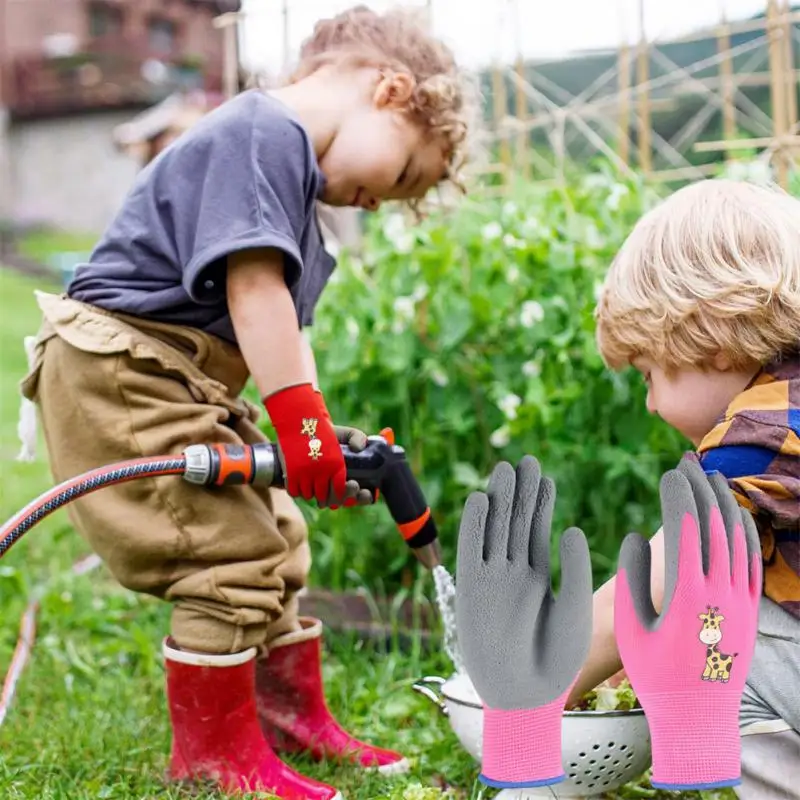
695 787
521 784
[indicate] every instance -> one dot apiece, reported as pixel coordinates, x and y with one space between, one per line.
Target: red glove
313 460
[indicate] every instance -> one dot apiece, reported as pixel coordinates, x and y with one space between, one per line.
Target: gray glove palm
522 646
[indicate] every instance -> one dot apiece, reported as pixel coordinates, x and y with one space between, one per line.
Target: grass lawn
89 719
41 245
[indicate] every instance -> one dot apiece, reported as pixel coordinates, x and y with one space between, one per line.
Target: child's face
379 153
692 400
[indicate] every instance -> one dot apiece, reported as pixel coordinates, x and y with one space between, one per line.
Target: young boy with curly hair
206 277
704 300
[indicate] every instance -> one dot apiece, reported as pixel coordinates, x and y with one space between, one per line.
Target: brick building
71 71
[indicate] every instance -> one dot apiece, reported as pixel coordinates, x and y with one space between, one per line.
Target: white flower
531 369
439 377
592 237
404 244
404 307
492 231
618 191
509 405
394 227
509 208
598 290
420 292
513 274
396 232
532 312
510 241
532 227
404 313
501 437
352 328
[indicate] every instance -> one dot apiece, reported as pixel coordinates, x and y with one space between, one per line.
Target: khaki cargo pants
110 388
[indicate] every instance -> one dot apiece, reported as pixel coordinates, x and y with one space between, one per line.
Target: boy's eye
403 176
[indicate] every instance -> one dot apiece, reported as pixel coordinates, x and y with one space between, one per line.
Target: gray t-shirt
244 176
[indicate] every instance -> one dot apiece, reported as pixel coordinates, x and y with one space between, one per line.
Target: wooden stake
624 84
228 23
523 162
285 16
727 84
789 68
777 89
745 144
643 71
500 104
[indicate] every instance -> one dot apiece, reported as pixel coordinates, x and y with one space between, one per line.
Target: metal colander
602 750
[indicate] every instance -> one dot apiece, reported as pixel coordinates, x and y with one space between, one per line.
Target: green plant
89 716
190 61
472 335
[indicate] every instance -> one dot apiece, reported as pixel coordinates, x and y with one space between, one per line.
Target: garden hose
381 467
44 505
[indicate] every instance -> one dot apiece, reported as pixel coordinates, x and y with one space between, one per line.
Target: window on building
162 34
104 20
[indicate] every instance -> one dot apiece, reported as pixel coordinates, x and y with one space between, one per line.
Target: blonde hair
442 99
714 269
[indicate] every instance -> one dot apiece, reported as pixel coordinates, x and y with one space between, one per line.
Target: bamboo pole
726 80
605 105
523 162
789 68
228 23
746 144
777 90
624 84
285 37
645 151
500 105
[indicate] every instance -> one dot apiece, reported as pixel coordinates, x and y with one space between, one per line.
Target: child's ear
394 90
721 362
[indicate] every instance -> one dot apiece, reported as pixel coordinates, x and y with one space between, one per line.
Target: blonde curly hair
714 269
443 100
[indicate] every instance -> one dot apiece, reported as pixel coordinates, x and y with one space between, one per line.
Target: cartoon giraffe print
718 665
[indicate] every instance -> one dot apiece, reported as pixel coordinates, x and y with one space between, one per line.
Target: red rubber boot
215 730
293 712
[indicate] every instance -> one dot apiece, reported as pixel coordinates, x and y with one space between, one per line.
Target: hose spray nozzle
381 467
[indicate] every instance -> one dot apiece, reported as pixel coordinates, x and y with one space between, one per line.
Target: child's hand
354 495
313 461
522 646
688 665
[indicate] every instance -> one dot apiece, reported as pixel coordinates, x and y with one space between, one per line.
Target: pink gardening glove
688 666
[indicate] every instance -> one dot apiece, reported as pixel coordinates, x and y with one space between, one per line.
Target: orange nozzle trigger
387 434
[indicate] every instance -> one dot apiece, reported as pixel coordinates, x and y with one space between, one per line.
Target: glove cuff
695 739
279 396
523 748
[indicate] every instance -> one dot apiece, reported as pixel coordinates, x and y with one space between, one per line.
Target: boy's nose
372 203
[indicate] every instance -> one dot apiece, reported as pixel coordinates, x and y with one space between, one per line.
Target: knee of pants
205 627
770 766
